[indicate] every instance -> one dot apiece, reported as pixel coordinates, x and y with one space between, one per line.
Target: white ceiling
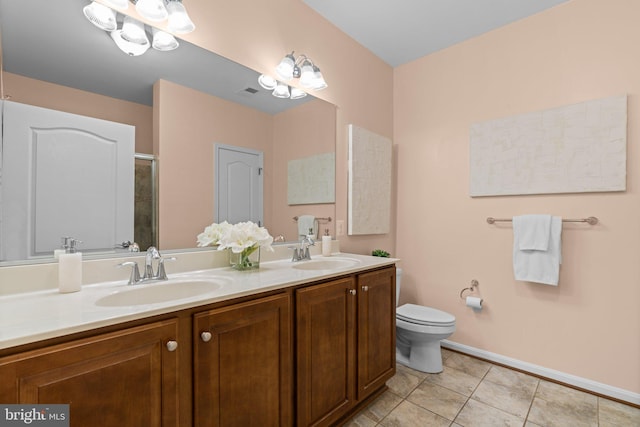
400 31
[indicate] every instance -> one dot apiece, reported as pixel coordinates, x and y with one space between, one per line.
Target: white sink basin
331 263
153 293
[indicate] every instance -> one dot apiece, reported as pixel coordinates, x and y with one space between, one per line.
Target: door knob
206 336
365 288
352 291
172 345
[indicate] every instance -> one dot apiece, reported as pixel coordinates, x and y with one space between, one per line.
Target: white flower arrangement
243 238
236 237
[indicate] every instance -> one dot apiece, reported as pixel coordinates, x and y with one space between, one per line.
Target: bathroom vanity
285 345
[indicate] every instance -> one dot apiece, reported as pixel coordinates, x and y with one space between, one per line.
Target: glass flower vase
248 259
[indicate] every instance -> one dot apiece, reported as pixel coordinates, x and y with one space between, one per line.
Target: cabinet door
125 378
376 330
325 316
243 364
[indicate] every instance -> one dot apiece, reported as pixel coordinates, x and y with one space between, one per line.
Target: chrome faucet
152 253
149 275
302 253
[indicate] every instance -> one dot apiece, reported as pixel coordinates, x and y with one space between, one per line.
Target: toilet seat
427 316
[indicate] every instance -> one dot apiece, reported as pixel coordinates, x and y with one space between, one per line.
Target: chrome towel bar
328 219
592 220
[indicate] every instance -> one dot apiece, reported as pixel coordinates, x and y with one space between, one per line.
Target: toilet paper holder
474 285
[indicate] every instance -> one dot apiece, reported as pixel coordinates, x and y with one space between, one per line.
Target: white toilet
419 330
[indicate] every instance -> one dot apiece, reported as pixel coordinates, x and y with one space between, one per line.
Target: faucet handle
135 272
295 257
162 274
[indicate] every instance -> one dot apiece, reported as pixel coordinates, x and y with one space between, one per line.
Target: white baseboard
579 382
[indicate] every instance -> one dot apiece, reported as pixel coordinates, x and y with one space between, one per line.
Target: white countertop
40 315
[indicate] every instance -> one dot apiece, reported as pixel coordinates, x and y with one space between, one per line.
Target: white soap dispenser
326 243
70 267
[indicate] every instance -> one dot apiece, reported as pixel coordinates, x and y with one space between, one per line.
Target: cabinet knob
352 291
172 345
206 336
365 288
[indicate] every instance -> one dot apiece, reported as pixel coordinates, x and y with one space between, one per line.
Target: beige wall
298 133
48 95
189 124
589 325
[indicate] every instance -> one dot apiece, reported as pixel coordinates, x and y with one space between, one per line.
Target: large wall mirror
182 103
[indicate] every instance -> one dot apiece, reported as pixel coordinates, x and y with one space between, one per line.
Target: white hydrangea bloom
213 233
245 235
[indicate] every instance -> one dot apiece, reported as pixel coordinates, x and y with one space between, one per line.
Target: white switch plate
340 227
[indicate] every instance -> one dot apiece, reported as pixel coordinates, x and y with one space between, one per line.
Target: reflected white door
238 184
64 175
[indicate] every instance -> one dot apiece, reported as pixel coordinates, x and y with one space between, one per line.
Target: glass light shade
267 82
101 16
179 21
118 4
297 93
285 67
318 81
131 49
133 31
153 10
163 41
281 91
307 74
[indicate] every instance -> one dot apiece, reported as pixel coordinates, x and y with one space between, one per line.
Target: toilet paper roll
474 302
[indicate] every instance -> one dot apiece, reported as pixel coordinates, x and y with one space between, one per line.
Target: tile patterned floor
471 392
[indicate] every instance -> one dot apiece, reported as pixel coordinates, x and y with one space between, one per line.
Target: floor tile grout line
533 398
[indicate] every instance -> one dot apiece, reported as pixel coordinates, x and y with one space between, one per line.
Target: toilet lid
424 315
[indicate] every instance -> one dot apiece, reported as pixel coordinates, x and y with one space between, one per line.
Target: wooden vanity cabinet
345 344
325 350
231 365
376 330
243 364
124 378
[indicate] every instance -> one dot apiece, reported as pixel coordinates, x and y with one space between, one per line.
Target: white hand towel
539 266
533 231
306 222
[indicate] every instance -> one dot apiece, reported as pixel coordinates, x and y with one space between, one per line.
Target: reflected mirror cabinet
180 104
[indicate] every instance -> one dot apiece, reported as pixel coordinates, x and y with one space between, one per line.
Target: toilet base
423 357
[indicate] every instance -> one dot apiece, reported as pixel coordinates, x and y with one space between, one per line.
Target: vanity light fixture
133 36
291 67
302 68
171 10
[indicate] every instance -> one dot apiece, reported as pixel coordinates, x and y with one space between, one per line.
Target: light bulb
285 67
179 21
281 90
267 82
297 93
163 41
101 16
306 74
153 10
133 31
